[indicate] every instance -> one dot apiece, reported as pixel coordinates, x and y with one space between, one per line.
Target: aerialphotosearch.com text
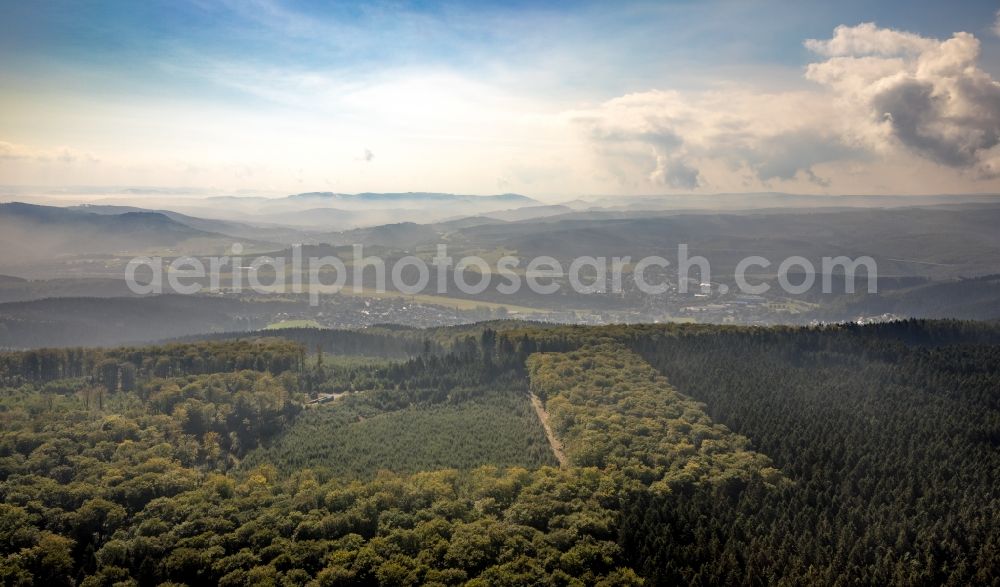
472 275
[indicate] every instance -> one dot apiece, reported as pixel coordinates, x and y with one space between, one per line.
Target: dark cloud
786 155
928 95
678 174
884 93
919 117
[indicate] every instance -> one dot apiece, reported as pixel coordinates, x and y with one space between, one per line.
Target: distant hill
970 299
934 242
225 227
773 200
402 235
30 232
63 322
326 218
467 222
369 197
528 212
15 289
330 211
208 225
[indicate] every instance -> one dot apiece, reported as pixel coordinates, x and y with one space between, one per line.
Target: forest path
543 417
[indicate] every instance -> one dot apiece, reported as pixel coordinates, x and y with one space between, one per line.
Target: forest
695 454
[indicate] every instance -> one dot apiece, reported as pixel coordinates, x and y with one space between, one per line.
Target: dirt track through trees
543 416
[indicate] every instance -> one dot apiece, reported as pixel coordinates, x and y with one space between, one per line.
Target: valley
57 300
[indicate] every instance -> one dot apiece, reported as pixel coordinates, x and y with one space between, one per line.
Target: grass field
293 324
448 302
426 299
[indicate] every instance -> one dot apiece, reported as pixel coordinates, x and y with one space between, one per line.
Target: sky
548 99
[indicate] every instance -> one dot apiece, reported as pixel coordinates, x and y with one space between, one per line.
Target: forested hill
375 342
693 455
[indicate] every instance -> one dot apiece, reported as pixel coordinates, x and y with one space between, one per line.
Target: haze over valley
314 294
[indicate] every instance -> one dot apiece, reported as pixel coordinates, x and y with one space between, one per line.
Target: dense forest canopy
693 454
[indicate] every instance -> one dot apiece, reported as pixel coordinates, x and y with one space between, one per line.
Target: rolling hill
213 225
30 233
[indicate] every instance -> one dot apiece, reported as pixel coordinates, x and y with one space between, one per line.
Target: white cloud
16 152
869 39
667 136
877 110
996 25
935 102
12 151
882 94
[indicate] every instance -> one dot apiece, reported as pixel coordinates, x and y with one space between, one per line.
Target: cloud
668 136
925 95
869 39
879 93
15 152
996 24
12 151
675 173
793 154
